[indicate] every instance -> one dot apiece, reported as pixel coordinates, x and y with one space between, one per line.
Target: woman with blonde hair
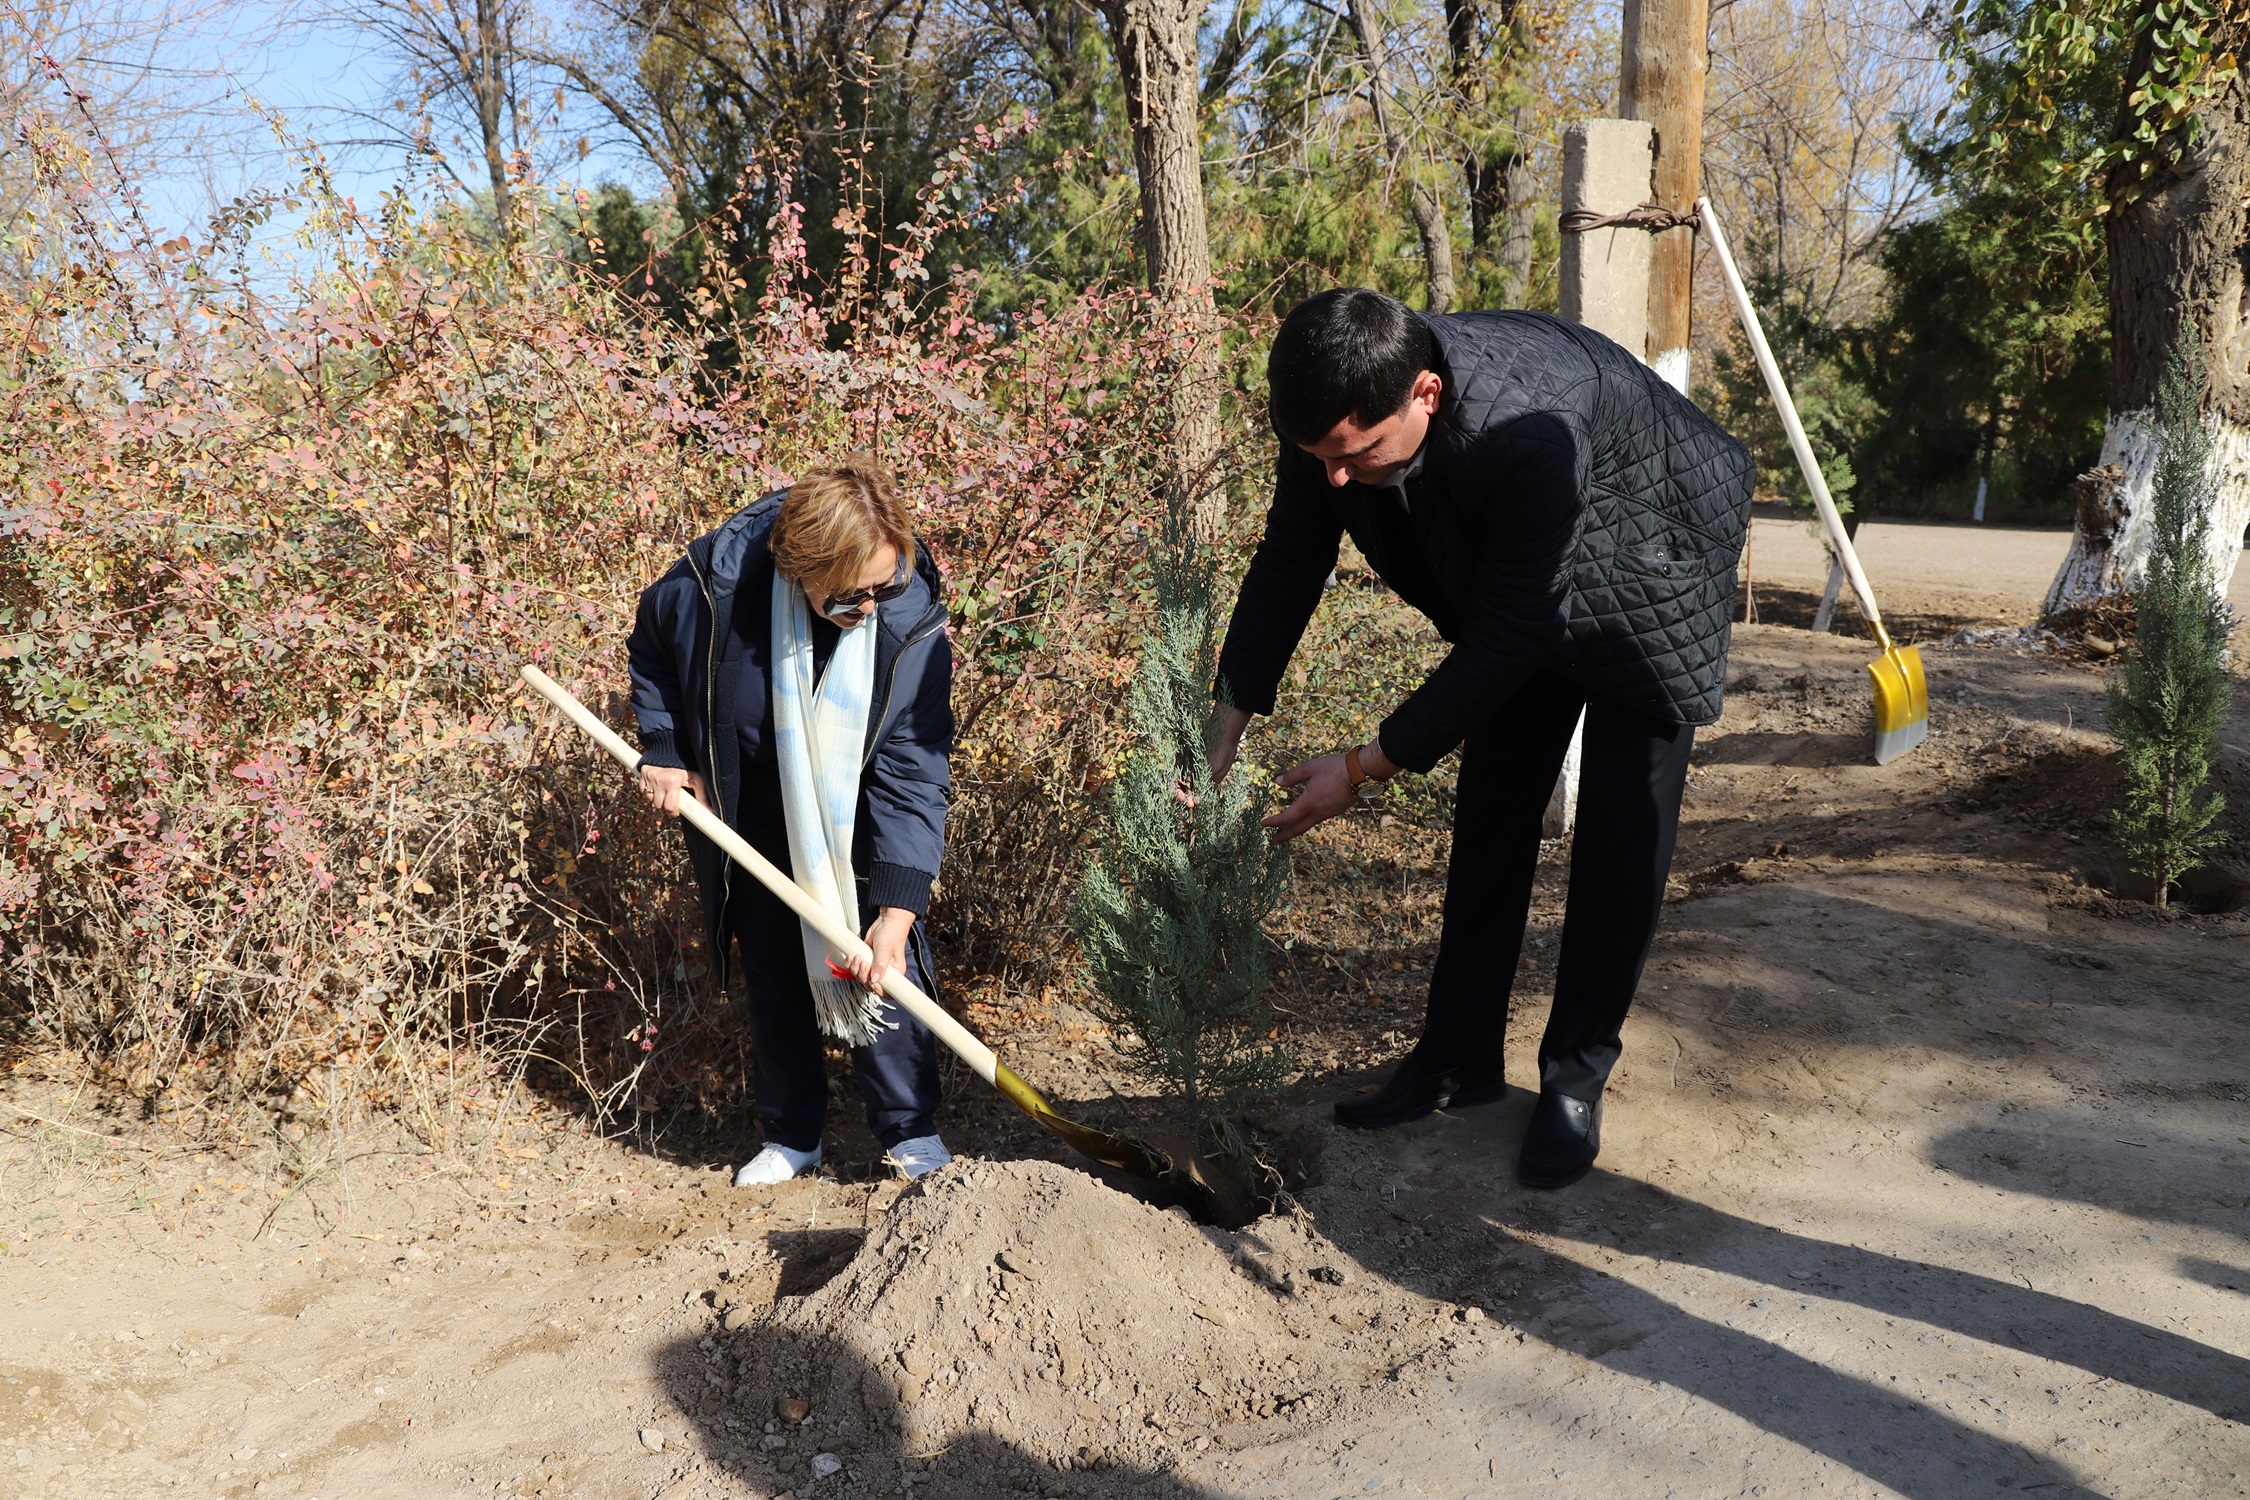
793 672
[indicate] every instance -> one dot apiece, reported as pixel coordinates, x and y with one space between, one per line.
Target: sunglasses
844 604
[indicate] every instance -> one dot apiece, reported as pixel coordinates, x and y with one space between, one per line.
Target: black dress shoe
1564 1138
1420 1087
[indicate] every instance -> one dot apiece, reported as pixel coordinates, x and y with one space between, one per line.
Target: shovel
1902 694
1134 1158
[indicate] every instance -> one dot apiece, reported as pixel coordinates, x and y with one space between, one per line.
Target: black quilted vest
1573 512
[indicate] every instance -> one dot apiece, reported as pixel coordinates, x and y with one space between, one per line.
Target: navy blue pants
1631 775
897 1073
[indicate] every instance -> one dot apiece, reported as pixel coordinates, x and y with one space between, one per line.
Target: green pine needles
2167 708
1170 911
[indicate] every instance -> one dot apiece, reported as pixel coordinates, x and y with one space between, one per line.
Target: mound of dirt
1059 1325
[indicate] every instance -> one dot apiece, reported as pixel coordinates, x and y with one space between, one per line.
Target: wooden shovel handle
708 823
1801 445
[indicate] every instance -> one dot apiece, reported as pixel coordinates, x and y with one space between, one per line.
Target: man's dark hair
1350 352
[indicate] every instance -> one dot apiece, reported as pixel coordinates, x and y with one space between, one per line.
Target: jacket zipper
914 638
710 715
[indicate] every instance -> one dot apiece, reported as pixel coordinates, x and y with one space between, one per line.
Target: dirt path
1925 1175
1926 573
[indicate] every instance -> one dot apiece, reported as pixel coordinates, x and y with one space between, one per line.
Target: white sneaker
776 1164
925 1153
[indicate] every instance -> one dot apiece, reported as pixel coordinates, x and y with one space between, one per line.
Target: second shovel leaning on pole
1134 1158
1902 694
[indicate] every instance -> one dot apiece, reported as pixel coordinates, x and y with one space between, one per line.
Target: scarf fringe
850 1012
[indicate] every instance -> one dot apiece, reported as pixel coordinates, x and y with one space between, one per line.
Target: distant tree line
1929 197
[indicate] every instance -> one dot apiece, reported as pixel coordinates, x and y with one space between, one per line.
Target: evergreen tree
1991 355
2167 709
1183 875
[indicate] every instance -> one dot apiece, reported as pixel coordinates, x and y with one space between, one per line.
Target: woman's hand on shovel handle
886 936
662 786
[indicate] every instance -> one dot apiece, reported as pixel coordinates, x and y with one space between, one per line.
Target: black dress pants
897 1073
1632 772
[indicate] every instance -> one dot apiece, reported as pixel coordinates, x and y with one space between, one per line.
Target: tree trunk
1156 52
1662 65
1481 177
1984 464
1519 221
1157 55
1422 199
1487 194
2177 250
1486 38
489 84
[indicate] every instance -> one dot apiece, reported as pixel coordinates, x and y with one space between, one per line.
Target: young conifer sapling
2167 706
1171 910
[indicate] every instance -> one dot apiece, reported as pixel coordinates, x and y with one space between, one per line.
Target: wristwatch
1353 771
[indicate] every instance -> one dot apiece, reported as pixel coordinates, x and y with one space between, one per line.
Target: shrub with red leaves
279 821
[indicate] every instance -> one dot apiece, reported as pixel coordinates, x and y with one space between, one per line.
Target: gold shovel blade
1902 702
1135 1158
1180 1180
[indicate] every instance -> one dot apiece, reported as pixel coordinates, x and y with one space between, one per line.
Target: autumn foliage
280 824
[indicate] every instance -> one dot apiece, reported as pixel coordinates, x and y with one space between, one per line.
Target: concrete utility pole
1665 58
1605 286
1605 281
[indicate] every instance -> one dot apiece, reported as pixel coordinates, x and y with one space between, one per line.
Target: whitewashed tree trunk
1824 617
1562 803
2177 254
2110 548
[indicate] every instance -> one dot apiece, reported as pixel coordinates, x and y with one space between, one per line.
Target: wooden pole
1662 66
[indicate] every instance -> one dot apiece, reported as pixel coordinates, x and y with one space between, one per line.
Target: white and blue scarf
819 730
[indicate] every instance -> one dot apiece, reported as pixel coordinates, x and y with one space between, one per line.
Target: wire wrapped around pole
1653 217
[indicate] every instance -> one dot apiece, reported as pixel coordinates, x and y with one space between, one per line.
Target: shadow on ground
1486 1237
871 1458
2130 1165
1951 981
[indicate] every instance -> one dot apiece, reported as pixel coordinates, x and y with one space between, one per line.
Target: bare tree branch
1422 199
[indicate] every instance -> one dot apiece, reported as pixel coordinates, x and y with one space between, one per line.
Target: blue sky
322 75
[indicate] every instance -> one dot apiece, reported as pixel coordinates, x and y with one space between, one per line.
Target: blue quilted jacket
1573 512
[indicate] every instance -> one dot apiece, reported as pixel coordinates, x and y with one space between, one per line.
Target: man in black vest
1571 525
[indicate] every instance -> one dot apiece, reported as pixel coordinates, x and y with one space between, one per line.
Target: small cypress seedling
2167 706
1171 910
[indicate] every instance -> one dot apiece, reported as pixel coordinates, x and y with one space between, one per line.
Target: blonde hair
833 520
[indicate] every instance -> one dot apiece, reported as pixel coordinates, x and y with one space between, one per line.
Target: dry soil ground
1925 1175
